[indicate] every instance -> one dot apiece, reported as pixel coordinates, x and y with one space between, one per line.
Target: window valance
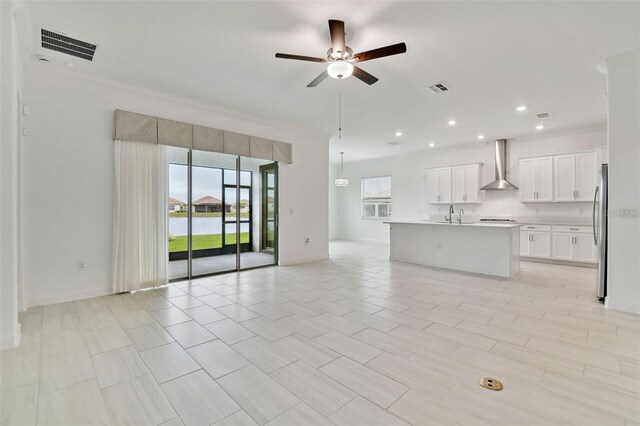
134 127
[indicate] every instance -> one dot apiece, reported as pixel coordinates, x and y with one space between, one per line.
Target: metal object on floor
491 384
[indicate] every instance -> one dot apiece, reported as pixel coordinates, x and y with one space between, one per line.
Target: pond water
203 226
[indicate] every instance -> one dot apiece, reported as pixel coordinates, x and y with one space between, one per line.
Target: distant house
244 206
209 204
176 205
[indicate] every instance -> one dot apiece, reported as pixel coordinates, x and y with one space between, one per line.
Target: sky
206 181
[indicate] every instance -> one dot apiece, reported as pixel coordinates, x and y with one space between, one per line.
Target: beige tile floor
356 340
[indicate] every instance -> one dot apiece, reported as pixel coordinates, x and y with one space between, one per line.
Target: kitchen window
376 197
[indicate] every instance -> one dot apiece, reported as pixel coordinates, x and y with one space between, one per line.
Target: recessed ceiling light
431 145
539 127
521 108
398 133
452 122
480 137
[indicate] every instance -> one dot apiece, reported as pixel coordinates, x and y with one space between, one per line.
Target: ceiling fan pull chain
339 113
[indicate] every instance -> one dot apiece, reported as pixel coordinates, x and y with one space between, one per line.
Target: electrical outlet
439 246
80 266
307 240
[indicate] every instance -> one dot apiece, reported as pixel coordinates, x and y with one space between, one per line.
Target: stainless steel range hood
501 183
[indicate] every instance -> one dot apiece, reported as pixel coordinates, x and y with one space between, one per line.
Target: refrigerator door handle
593 216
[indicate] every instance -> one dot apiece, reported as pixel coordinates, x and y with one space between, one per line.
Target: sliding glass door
222 213
261 198
213 194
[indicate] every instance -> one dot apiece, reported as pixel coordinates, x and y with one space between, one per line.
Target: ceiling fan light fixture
339 69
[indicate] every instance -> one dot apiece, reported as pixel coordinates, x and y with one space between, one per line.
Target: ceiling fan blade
336 28
381 52
319 79
299 58
361 74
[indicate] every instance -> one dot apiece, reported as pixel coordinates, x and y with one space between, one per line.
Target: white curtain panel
140 232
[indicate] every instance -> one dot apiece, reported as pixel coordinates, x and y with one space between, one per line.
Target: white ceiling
494 56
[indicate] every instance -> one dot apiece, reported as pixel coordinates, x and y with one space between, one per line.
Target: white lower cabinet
573 244
558 242
562 248
535 241
540 244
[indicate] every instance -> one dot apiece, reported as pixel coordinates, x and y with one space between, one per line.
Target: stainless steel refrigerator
600 205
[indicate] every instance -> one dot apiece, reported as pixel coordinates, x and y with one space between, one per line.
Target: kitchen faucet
460 217
450 214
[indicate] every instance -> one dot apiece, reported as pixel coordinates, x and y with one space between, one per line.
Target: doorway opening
218 213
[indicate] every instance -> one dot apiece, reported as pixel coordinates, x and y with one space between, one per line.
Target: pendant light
341 181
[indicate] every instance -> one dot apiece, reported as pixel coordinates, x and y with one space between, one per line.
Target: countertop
528 220
472 224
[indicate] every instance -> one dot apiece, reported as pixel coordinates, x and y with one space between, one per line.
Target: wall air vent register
67 45
439 88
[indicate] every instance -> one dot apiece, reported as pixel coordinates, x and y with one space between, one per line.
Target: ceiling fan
340 58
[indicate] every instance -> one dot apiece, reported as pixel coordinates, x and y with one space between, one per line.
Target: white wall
624 182
408 182
68 179
10 118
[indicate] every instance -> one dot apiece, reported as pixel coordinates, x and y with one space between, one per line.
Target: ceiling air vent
543 115
439 88
67 45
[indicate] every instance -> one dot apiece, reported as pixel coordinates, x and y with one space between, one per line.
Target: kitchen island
483 248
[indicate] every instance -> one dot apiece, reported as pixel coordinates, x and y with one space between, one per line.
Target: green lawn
201 242
219 214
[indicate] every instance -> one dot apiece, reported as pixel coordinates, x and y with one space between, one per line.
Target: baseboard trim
299 260
70 297
13 341
623 307
363 240
559 262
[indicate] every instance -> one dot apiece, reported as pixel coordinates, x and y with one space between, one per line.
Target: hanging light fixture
341 181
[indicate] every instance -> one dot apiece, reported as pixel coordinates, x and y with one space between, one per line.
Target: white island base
491 249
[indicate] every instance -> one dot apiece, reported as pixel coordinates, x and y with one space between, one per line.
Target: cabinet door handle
573 229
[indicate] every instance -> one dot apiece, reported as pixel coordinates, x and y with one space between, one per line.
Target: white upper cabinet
465 183
565 169
457 184
432 186
545 179
439 185
586 175
575 176
536 179
444 184
560 178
